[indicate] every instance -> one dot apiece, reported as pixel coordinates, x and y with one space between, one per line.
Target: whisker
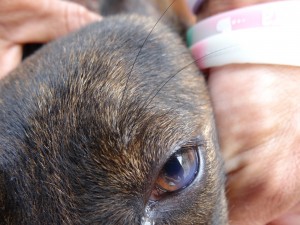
168 79
139 52
154 93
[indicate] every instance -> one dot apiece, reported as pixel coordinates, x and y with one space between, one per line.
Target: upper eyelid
197 141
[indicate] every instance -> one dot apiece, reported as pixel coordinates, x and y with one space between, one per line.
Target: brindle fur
83 136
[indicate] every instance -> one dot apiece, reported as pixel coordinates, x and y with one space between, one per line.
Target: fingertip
9 59
77 16
68 17
93 17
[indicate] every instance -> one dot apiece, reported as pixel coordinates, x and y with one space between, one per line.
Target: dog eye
178 172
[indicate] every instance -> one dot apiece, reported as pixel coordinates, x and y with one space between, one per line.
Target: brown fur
81 143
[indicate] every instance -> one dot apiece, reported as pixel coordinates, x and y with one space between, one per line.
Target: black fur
80 143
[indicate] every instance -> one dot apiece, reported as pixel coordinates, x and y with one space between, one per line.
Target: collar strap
266 33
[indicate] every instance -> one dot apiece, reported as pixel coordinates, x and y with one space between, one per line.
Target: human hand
38 21
257 113
258 119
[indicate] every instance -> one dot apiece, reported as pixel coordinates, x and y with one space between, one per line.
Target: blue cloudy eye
178 172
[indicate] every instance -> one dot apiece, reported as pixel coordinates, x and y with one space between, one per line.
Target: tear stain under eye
148 219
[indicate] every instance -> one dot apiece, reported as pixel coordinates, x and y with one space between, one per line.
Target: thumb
10 57
28 21
70 16
51 19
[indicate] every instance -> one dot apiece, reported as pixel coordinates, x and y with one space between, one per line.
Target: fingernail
94 17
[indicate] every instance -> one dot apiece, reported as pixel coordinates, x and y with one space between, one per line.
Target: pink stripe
280 13
198 53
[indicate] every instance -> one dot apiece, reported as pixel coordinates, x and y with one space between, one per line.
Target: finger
259 131
287 220
262 191
246 101
46 20
292 218
10 57
253 103
71 16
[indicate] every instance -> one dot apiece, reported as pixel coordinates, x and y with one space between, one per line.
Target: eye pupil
178 172
173 171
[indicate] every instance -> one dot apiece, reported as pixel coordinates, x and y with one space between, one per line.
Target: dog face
110 126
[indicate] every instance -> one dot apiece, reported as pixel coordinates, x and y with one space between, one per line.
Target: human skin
39 21
257 114
257 111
